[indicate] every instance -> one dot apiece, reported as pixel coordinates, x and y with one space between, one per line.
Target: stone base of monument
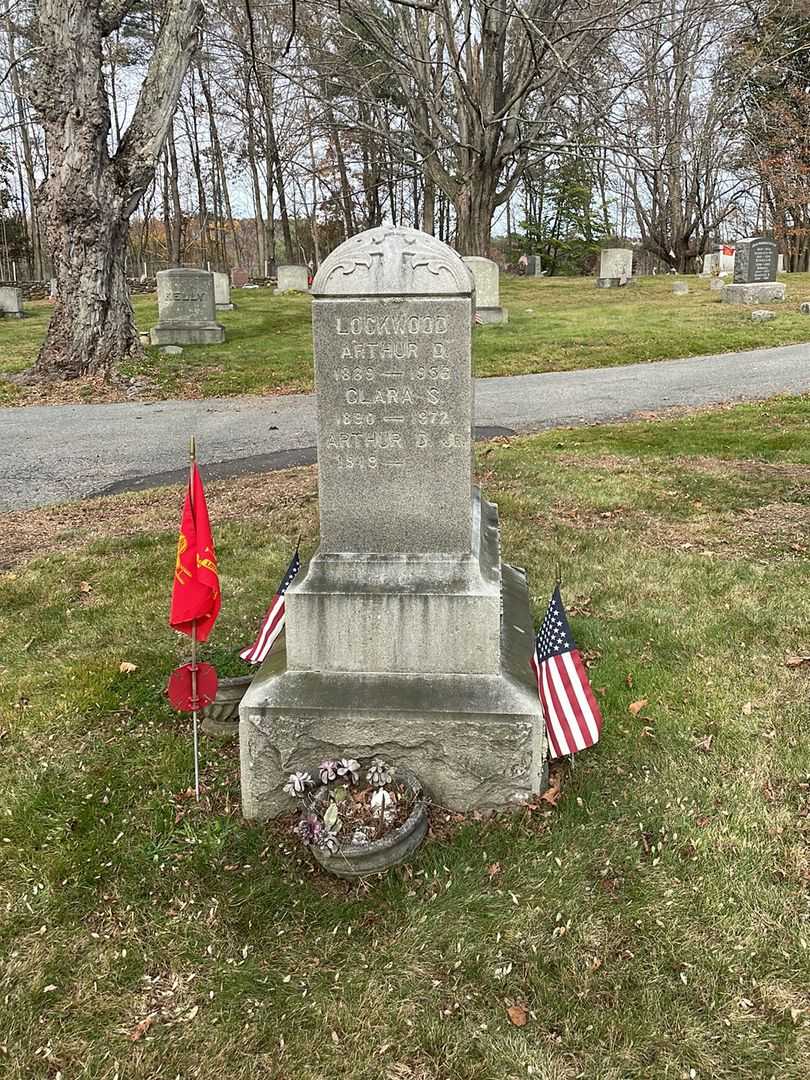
753 293
183 334
611 282
475 740
226 307
489 316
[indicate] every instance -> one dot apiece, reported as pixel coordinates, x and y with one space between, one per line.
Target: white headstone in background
486 276
615 267
222 292
293 279
11 302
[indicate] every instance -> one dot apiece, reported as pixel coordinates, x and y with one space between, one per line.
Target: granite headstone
11 302
239 277
615 267
406 637
486 276
533 266
222 292
755 269
293 279
186 309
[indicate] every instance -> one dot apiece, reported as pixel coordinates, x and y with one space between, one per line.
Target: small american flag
573 719
273 622
478 321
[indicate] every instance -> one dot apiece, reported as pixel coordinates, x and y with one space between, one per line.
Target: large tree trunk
90 194
91 327
474 206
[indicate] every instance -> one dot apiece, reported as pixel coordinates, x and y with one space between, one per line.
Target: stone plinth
752 293
486 276
615 267
186 309
293 279
222 292
11 302
406 637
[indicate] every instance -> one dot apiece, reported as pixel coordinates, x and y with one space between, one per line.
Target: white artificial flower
298 784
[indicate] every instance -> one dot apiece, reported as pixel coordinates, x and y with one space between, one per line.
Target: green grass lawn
654 924
555 324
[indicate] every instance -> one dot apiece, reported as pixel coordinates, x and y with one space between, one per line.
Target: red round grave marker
179 688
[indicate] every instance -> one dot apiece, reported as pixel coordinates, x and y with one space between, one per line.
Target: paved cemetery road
55 453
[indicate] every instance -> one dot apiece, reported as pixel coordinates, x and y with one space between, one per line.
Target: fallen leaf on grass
192 1012
517 1015
748 708
628 681
126 668
551 795
141 1028
704 744
796 661
635 707
85 587
493 870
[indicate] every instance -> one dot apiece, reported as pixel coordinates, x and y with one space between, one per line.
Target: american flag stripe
274 619
556 737
562 705
576 680
270 629
573 719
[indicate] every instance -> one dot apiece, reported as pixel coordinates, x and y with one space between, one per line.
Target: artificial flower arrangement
348 807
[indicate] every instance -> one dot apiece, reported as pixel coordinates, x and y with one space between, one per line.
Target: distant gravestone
293 279
680 288
222 292
486 276
52 289
716 284
11 302
533 266
780 264
755 269
406 637
239 277
186 309
615 267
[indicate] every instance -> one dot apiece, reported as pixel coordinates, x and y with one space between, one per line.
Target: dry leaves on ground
635 707
517 1015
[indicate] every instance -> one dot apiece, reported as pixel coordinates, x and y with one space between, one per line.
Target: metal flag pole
192 461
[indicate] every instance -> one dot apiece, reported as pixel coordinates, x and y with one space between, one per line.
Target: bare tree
90 192
479 82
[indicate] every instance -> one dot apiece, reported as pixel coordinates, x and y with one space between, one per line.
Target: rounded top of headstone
393 261
178 271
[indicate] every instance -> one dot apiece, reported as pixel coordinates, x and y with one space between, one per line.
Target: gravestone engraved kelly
293 279
486 276
222 292
615 267
406 637
755 269
11 302
186 309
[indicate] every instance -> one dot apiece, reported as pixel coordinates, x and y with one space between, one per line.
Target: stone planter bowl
362 860
221 717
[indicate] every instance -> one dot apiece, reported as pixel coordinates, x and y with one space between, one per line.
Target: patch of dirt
28 534
773 530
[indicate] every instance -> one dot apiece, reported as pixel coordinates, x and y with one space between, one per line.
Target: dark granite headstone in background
756 261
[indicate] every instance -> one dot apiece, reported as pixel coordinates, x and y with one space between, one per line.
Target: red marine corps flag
195 604
195 594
